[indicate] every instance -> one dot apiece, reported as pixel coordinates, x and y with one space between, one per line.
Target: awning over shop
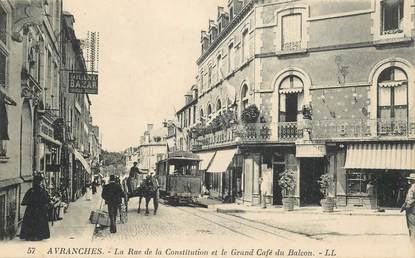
381 156
81 159
221 161
206 159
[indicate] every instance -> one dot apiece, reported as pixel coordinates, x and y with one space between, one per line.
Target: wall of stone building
324 74
243 72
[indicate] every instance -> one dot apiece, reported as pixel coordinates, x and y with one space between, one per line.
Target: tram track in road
234 223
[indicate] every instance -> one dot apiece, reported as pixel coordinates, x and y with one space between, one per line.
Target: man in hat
133 172
409 206
112 193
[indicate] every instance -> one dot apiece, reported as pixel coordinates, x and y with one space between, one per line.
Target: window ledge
291 52
384 41
4 159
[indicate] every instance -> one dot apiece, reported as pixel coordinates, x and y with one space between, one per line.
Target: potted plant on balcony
287 183
325 182
250 114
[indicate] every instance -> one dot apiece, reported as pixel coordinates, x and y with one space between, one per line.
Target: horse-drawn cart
141 185
179 177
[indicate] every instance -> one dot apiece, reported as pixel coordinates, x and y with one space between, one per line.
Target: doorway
391 188
310 171
276 189
291 107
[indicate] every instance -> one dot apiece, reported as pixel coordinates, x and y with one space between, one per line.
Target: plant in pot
287 184
325 182
250 114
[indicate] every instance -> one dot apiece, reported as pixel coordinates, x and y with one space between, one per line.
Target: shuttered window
291 32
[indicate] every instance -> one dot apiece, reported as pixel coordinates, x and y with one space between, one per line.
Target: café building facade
351 64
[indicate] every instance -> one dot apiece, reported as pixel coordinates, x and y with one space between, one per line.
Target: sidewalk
75 224
242 208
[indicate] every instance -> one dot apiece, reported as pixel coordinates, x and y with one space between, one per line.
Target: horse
144 190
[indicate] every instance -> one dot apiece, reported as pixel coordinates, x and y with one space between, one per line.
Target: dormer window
392 16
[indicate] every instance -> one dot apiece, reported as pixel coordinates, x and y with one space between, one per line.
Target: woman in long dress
35 225
88 192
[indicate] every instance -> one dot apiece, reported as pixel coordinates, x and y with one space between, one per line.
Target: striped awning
206 159
291 90
389 84
221 161
381 156
78 156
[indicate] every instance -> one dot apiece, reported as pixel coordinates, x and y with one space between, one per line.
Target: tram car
179 177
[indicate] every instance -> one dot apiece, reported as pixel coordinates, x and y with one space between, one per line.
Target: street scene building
44 128
292 132
259 61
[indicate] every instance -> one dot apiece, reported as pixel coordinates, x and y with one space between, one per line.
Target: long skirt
88 194
410 221
35 224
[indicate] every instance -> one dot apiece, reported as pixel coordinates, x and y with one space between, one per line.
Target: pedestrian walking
409 207
112 194
94 187
88 192
156 195
35 225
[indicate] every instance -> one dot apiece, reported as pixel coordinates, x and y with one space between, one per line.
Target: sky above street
148 52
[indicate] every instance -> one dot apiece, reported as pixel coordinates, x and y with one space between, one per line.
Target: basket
99 217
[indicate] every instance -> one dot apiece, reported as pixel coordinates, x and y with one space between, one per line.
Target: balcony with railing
320 131
353 129
250 133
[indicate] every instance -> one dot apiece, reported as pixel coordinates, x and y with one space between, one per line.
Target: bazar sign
83 83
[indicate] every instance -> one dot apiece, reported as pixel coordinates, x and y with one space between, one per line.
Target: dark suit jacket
112 193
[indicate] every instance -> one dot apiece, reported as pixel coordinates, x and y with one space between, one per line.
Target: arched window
209 110
392 98
201 114
218 106
244 97
291 98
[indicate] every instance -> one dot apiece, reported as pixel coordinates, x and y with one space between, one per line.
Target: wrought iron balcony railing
320 130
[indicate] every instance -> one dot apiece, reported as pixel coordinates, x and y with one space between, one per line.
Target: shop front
375 174
221 175
81 175
49 163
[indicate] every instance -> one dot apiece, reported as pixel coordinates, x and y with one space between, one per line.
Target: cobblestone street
190 223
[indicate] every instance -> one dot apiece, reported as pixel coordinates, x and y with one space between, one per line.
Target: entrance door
391 189
291 107
310 171
276 189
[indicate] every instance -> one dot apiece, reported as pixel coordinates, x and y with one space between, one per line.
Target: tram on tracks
179 177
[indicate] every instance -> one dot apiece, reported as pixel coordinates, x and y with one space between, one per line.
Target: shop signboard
310 150
84 83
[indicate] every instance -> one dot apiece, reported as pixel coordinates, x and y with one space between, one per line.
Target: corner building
351 61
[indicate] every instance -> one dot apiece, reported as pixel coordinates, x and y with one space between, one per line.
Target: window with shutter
291 32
